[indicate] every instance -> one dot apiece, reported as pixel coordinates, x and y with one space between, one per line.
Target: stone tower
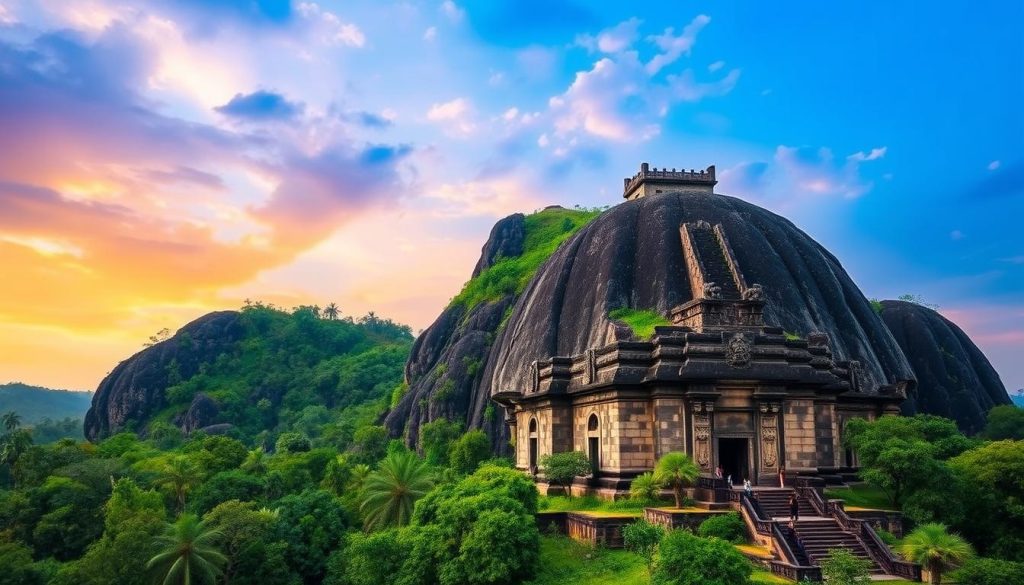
650 181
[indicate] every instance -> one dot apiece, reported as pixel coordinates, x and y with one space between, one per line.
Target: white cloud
993 165
510 114
329 28
618 38
716 66
430 34
794 173
673 46
452 11
455 114
876 153
6 17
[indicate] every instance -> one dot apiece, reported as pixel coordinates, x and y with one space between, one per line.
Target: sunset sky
160 159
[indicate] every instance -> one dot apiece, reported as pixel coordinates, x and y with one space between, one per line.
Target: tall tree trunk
677 491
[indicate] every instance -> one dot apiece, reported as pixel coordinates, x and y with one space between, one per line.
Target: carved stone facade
719 384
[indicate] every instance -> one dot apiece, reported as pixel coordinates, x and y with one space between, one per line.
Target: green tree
469 451
255 461
841 567
435 439
562 468
729 527
369 444
369 559
188 553
500 548
979 571
390 493
180 475
676 470
292 443
18 568
253 556
992 513
685 559
224 486
934 548
11 421
642 538
1005 422
645 488
312 524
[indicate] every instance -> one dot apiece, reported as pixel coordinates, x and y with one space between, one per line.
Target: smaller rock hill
954 378
254 371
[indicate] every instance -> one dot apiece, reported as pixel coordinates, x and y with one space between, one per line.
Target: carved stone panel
702 435
738 351
769 440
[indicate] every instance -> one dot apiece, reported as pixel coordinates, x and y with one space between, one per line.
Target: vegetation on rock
545 231
641 321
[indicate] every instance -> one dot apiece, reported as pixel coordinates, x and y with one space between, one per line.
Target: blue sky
170 157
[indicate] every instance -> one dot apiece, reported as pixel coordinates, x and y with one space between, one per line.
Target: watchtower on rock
650 181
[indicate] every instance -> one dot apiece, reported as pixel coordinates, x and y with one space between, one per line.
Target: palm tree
676 470
390 492
188 553
11 421
180 475
932 547
255 461
645 487
331 311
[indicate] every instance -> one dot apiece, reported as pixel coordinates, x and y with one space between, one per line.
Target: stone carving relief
712 291
702 435
769 435
754 293
738 351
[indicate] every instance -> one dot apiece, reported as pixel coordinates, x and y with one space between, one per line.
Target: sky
161 159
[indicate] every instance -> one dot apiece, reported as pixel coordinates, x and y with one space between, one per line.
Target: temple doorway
732 457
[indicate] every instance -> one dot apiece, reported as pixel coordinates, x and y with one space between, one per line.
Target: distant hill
34 403
1017 399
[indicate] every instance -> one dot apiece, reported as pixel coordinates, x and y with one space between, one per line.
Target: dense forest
301 484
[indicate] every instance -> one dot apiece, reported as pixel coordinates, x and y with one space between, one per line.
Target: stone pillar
703 445
800 447
768 442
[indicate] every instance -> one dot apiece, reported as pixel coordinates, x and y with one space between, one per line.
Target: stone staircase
775 503
716 269
817 536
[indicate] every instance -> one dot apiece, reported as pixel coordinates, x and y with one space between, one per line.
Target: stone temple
727 382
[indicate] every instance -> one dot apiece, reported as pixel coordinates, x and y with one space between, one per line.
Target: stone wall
669 425
799 443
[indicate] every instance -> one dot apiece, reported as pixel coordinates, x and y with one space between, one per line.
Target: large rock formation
954 379
135 390
632 256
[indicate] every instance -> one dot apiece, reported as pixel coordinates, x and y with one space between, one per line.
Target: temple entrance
732 457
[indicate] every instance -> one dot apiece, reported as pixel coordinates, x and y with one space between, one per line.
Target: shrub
990 572
841 567
468 451
562 468
645 487
728 527
685 559
292 443
643 538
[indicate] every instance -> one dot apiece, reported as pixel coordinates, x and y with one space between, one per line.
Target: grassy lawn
591 504
563 560
861 495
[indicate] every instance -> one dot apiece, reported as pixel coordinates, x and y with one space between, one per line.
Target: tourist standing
749 489
782 476
718 472
794 508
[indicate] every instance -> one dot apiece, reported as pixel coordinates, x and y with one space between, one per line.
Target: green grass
641 321
563 560
592 504
545 232
861 495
